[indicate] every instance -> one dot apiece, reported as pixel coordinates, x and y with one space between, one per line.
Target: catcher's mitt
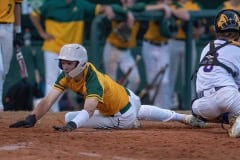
123 31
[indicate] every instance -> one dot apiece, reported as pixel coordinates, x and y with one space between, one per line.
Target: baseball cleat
137 124
194 121
234 131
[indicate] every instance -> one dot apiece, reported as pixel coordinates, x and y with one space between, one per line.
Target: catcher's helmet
227 21
74 52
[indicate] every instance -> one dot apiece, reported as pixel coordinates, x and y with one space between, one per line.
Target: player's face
164 1
68 66
128 3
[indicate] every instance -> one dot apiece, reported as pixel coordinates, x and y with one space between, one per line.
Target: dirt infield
154 140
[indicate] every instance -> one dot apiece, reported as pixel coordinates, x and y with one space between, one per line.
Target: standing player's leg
110 60
150 54
127 61
6 51
176 55
163 97
1 79
51 73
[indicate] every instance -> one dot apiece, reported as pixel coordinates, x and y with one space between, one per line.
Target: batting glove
67 128
27 123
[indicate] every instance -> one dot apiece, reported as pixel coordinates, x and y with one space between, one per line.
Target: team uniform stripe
59 87
95 96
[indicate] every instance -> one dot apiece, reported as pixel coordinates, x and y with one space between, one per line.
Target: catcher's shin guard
234 131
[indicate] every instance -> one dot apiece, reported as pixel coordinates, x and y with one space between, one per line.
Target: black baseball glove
123 31
29 121
67 128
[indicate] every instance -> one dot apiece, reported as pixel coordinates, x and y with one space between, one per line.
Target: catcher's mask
227 21
74 52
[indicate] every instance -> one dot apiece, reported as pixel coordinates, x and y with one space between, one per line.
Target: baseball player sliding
107 104
218 79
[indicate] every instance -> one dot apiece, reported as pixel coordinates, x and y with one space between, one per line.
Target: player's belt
120 48
180 39
156 43
208 92
5 23
125 109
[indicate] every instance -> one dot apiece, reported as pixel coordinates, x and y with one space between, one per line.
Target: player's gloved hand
29 121
18 39
123 31
67 128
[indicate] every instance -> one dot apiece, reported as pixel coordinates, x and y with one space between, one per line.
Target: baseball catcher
217 76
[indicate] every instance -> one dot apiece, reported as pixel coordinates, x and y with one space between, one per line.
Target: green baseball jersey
111 96
7 10
65 21
153 33
190 6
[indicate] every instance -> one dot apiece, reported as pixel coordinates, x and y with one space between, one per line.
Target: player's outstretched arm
82 117
41 109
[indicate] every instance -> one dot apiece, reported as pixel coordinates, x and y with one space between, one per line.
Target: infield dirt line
99 155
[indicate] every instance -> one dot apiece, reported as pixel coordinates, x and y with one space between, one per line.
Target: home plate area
153 140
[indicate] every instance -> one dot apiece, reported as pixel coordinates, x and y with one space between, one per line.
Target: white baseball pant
118 120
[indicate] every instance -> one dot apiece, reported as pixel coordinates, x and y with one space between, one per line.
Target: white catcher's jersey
216 76
227 99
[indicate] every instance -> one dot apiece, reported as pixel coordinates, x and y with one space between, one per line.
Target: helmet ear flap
60 64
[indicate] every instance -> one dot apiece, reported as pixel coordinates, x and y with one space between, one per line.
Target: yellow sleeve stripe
35 14
97 10
18 1
95 96
59 87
